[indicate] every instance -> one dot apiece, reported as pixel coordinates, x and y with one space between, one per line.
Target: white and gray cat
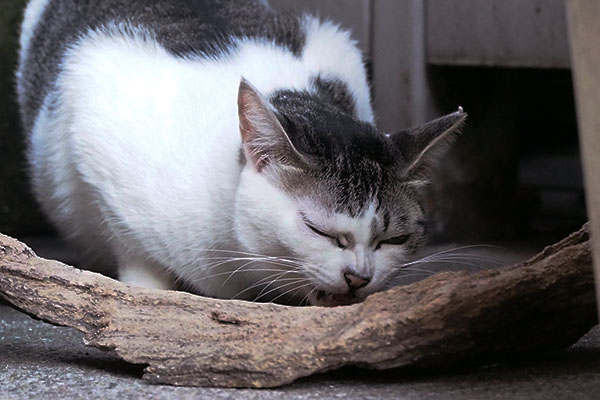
219 146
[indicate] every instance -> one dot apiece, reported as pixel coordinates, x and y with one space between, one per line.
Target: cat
220 147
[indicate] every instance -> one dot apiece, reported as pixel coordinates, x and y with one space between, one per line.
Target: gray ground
38 360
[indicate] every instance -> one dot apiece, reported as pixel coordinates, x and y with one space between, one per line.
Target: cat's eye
338 242
319 232
396 240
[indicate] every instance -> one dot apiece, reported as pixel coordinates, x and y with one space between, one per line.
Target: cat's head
334 196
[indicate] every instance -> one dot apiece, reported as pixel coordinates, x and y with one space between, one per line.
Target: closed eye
341 243
396 240
319 232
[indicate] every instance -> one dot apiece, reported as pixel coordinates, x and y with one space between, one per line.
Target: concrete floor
38 360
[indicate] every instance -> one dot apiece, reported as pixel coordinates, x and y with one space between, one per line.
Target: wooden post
584 31
401 90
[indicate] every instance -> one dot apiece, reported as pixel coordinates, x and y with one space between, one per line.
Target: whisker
252 259
449 260
215 265
407 275
245 253
399 279
267 286
467 258
472 246
291 290
263 282
455 262
220 258
257 284
455 251
247 270
277 275
233 273
418 270
307 297
279 287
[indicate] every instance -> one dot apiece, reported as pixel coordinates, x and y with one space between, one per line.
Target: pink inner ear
263 137
244 98
249 105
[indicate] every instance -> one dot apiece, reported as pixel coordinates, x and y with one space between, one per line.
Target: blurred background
514 174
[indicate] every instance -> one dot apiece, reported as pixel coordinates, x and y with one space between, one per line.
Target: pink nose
354 281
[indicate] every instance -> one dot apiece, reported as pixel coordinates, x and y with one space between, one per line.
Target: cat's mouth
327 299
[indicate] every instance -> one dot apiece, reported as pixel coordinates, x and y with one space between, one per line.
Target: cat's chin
326 299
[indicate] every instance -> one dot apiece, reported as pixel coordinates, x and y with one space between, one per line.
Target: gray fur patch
336 93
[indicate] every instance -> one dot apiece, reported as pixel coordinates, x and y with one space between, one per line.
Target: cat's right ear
264 140
423 145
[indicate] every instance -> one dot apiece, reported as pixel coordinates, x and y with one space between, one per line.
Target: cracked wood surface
449 319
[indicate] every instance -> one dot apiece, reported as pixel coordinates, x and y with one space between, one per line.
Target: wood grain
449 319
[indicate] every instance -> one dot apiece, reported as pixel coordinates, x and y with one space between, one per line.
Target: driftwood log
450 318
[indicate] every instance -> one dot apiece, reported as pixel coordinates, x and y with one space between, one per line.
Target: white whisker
264 280
267 286
236 270
279 287
244 253
419 270
290 291
251 259
307 297
247 270
472 246
457 263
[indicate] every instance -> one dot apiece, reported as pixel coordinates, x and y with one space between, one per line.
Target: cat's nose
354 281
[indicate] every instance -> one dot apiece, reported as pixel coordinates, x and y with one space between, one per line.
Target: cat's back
182 27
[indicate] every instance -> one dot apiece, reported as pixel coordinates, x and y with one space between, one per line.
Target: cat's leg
142 273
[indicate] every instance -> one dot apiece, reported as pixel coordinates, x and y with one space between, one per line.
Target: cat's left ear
423 145
263 138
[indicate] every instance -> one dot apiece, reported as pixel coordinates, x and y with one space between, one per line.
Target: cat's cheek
263 215
388 262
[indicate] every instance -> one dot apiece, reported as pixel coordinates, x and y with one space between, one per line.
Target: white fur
142 273
136 154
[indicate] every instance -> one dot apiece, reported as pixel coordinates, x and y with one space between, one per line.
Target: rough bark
448 319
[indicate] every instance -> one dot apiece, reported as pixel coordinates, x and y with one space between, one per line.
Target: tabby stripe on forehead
380 225
386 221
